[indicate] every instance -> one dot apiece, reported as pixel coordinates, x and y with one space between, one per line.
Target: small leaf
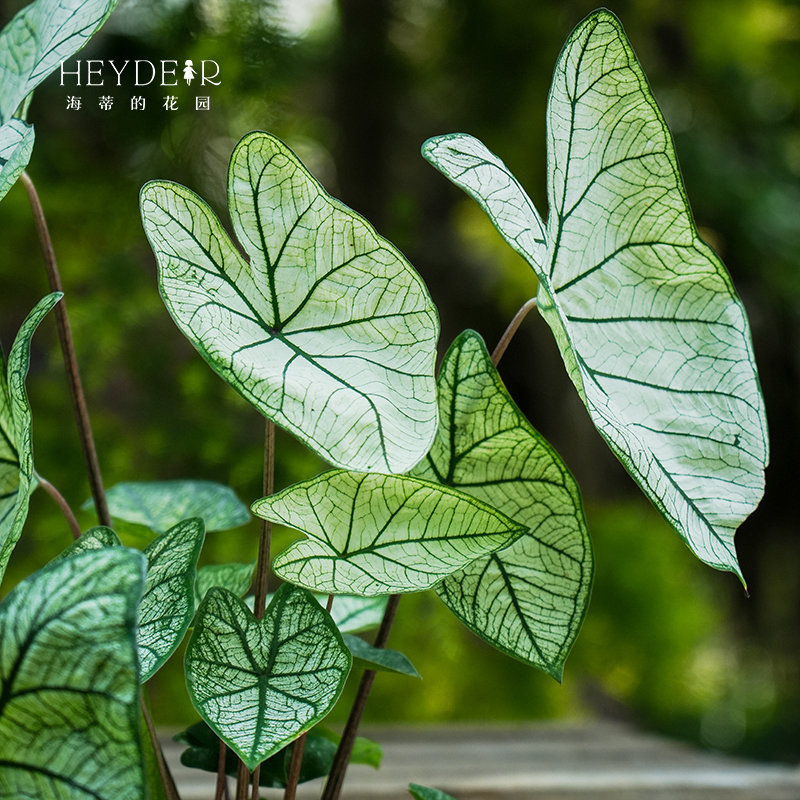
426 793
16 435
353 614
528 599
378 658
381 534
167 606
16 145
326 329
649 325
69 688
261 683
364 751
38 39
235 578
160 505
95 538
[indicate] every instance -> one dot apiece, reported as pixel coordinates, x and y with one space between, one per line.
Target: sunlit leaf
159 505
426 793
261 683
379 658
327 329
69 705
167 606
353 614
528 599
649 326
16 438
38 39
95 538
235 578
16 144
381 534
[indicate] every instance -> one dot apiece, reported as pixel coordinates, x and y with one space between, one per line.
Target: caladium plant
442 483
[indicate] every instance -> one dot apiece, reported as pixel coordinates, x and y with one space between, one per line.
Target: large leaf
528 599
167 606
159 505
69 688
16 144
326 329
38 39
235 578
649 326
16 440
261 683
381 534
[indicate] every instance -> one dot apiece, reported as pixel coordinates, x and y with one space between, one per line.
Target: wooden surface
596 761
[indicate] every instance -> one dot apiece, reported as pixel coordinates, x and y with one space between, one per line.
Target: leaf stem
242 781
170 790
293 778
506 338
62 504
68 353
222 780
333 787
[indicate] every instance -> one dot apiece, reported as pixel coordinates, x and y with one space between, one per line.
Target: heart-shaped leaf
528 599
69 687
16 144
649 326
381 534
94 539
235 578
261 683
38 39
353 614
379 658
160 505
167 606
327 329
16 436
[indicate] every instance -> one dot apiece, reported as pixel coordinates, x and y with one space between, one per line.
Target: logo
141 72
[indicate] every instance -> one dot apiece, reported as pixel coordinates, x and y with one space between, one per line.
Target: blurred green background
355 87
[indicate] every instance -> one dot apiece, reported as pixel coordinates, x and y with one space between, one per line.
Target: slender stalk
222 781
68 352
170 790
506 338
293 778
62 504
262 580
333 786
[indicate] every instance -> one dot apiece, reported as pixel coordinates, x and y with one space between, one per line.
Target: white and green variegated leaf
354 614
167 605
528 599
69 698
16 144
38 39
160 505
649 325
326 329
378 658
373 534
96 538
261 683
236 578
16 436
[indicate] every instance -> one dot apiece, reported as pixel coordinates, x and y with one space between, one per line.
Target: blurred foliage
355 86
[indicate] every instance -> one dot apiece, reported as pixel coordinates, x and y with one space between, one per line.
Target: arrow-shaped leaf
528 599
326 329
381 534
160 505
16 144
69 688
16 437
235 578
261 683
38 39
95 538
648 323
167 606
379 658
353 614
